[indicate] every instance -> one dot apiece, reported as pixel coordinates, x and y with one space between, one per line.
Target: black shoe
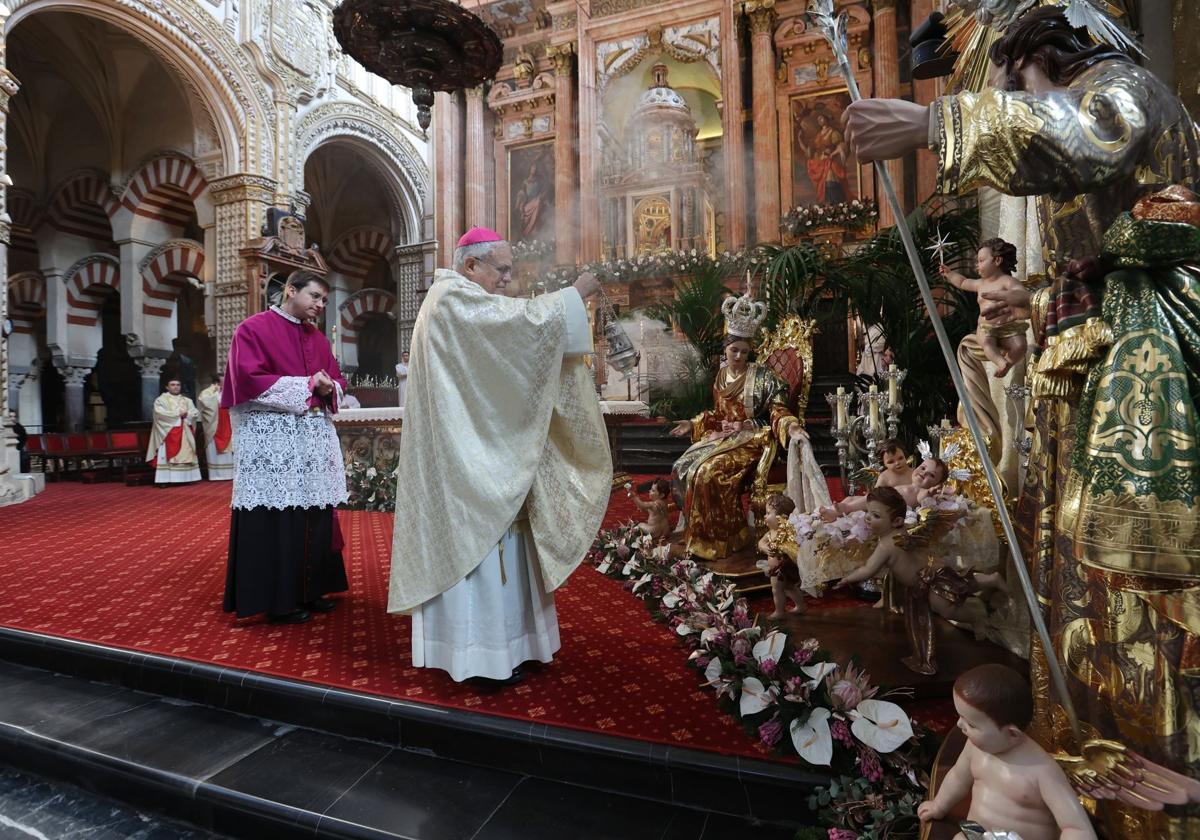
517 676
320 605
294 617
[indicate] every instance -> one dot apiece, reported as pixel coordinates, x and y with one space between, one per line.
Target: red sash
174 442
224 432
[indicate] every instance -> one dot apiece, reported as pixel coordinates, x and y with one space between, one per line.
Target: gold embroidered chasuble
497 420
1124 615
166 417
711 474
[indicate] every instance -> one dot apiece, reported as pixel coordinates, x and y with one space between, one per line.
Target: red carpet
144 568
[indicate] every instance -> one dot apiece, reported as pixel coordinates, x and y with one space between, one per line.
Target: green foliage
884 810
371 487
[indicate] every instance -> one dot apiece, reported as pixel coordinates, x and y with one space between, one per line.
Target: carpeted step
252 777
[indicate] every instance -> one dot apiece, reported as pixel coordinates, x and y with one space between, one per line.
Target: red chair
76 449
55 448
35 447
126 449
99 451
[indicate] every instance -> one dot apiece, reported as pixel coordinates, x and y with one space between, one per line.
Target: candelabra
858 436
1022 441
840 405
938 433
894 404
871 407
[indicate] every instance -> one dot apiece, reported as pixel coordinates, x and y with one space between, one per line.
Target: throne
788 351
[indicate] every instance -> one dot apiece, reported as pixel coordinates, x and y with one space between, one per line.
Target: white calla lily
770 647
605 566
812 739
755 697
642 581
881 725
818 672
709 635
684 629
713 672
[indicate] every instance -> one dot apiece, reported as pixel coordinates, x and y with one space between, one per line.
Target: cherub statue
896 470
929 587
995 261
658 522
1015 785
926 482
779 544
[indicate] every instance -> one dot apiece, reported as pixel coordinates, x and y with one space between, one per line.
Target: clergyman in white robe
504 476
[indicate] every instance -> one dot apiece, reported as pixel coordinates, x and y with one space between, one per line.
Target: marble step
671 777
244 776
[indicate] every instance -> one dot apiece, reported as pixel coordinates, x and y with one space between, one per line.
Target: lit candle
842 420
873 392
893 389
945 422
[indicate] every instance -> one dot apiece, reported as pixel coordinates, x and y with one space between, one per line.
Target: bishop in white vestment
504 469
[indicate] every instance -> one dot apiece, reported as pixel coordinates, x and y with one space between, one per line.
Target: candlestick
873 408
842 419
893 388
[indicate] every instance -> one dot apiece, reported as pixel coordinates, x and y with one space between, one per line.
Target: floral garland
792 697
371 488
850 215
532 250
652 265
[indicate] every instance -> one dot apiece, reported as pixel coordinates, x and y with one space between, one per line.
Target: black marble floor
248 777
33 808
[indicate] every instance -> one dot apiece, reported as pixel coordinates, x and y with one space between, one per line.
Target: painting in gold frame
824 170
531 192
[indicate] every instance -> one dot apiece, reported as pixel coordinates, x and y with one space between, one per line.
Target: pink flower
702 662
841 732
845 695
742 659
842 834
768 667
868 764
771 732
741 647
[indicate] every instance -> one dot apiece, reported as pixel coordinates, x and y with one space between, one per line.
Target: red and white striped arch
358 249
88 283
360 306
84 205
26 300
165 271
165 189
23 210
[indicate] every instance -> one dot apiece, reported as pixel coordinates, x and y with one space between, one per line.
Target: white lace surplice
287 455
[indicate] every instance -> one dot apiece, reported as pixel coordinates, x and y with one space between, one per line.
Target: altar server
282 386
172 448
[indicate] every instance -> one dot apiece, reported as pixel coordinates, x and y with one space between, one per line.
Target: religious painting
531 193
824 170
652 226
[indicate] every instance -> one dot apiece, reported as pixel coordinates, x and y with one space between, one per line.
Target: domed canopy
661 96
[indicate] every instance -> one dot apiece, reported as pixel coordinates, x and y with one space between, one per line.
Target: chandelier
424 45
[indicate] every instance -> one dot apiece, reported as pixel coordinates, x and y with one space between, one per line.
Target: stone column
761 14
477 151
241 209
589 156
565 217
886 67
10 461
74 377
151 371
733 137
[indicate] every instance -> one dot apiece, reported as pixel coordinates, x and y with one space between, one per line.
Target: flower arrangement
652 265
532 250
791 696
850 215
371 487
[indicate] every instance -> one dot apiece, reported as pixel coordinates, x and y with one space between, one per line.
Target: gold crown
743 315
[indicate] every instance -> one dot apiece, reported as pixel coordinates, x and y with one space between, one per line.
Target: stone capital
245 187
476 92
560 56
761 15
878 6
150 366
73 376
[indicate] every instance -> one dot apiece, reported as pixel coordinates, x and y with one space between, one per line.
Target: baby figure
995 262
1015 785
779 544
896 471
658 522
942 589
925 485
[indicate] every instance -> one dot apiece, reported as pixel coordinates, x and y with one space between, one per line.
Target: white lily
684 629
881 725
642 581
631 567
818 672
712 676
605 566
770 647
756 697
812 739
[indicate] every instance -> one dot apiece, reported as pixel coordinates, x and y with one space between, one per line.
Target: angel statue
929 587
749 408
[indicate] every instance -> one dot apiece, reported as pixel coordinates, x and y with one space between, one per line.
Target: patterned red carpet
144 568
